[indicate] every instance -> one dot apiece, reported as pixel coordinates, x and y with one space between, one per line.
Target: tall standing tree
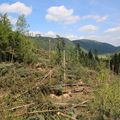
21 25
96 54
115 63
90 54
25 46
78 52
61 54
5 31
64 59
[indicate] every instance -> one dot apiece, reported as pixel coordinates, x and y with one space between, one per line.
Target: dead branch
71 85
36 112
65 115
45 77
21 106
74 91
83 104
41 82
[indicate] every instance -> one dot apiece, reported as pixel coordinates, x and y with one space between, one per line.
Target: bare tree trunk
77 56
50 58
49 49
12 55
64 65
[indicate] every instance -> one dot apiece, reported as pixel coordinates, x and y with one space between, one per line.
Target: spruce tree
90 55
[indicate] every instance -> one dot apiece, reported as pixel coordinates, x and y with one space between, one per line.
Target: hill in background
86 44
102 48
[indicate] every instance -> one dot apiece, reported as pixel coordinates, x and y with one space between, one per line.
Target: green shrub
107 97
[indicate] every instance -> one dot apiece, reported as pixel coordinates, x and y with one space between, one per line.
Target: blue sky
74 19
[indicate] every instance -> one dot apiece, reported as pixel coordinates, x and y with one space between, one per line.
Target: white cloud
18 7
47 34
12 20
88 28
34 33
50 34
73 37
95 17
61 14
113 30
91 37
65 15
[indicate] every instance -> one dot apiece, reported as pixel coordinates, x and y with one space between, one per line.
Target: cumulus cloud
61 14
12 20
95 17
65 15
88 28
18 7
113 30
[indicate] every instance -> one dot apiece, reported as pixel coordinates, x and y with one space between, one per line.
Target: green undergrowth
22 84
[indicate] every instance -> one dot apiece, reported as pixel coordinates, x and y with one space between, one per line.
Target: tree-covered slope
102 48
43 42
86 45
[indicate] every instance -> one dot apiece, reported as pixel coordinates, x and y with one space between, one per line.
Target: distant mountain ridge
86 44
102 48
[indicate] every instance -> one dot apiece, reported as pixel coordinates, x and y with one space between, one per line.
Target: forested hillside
86 45
54 79
102 48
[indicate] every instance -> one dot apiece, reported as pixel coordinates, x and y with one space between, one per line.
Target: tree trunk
50 59
64 65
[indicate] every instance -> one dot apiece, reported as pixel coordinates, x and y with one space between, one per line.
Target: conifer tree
5 31
90 54
96 54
